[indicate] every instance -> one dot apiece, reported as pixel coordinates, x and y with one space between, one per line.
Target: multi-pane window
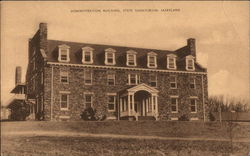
111 102
193 106
87 55
63 53
192 82
111 79
64 77
152 60
64 101
174 105
133 79
88 99
173 82
110 56
87 77
171 61
190 62
131 59
153 80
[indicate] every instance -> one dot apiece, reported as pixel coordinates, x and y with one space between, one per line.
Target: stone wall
99 88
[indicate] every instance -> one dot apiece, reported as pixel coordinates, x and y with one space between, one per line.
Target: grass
78 146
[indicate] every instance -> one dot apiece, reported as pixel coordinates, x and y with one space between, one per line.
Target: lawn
84 145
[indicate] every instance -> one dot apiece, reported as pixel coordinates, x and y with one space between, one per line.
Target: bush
211 116
184 118
89 114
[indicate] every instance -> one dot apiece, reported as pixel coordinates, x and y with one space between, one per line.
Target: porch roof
140 87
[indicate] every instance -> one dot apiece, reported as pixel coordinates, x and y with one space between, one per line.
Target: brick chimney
191 46
43 32
18 75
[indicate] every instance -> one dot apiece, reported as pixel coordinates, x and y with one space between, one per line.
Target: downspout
51 99
204 111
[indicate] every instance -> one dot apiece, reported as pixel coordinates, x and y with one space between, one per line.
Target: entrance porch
139 101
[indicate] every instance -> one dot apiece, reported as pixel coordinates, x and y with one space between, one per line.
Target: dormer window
171 61
152 60
131 58
63 53
190 62
110 56
87 55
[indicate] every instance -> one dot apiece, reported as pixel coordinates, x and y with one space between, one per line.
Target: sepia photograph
125 78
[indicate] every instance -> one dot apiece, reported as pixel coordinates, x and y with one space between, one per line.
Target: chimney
191 46
43 32
18 74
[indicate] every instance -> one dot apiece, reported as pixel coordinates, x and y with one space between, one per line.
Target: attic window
63 55
87 55
171 61
190 63
131 58
152 60
110 56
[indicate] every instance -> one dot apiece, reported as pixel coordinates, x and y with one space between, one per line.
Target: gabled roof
144 87
99 54
17 88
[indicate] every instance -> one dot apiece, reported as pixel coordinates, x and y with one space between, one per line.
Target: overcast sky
221 30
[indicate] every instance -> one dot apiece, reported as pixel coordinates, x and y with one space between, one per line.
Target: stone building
64 78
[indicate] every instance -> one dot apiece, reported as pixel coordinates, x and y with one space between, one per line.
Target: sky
221 30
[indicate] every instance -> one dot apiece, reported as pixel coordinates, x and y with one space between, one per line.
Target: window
64 101
152 60
87 77
110 56
111 79
111 102
131 58
63 53
87 55
171 61
173 83
88 100
153 80
174 104
133 79
192 82
190 62
193 106
64 77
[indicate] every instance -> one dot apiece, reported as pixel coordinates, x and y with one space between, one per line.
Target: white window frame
90 50
91 76
190 58
137 79
113 77
153 81
88 94
154 56
192 81
63 47
114 95
175 78
112 52
195 99
67 94
176 105
132 53
171 56
64 74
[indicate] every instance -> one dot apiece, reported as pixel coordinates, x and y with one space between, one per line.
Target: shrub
184 118
89 114
211 116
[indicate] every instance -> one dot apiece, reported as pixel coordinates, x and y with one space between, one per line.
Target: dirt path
118 136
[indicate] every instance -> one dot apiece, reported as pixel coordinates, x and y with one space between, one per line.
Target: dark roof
18 87
99 55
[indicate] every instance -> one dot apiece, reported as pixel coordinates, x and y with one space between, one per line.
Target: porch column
156 105
133 102
152 103
143 107
128 104
146 103
121 105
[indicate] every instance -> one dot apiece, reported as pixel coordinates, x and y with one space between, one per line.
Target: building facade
64 78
